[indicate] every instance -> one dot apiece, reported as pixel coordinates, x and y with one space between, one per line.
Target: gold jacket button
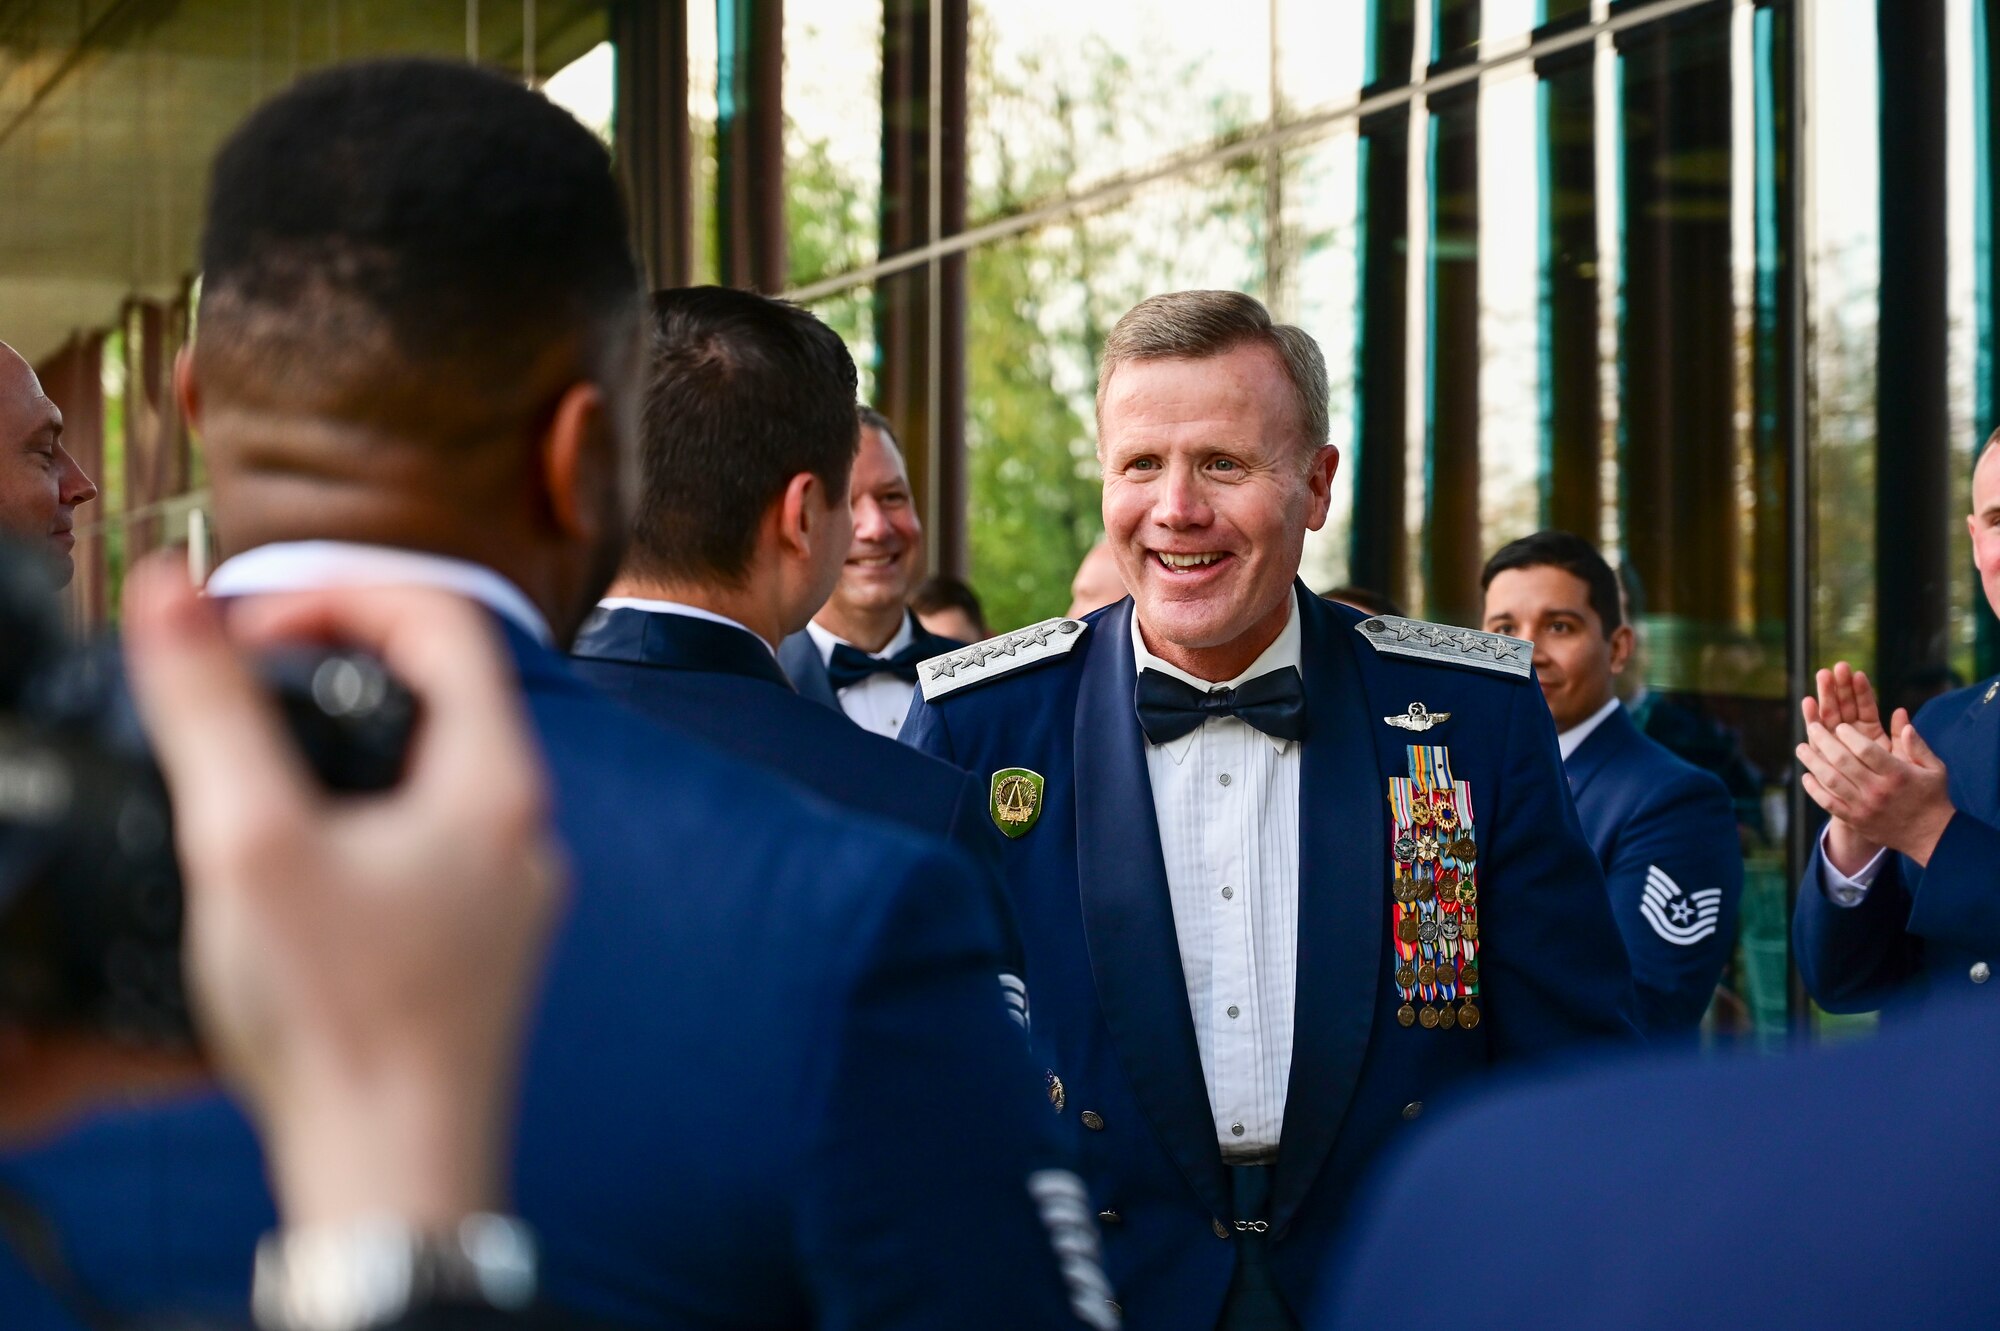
1412 1109
1981 972
1093 1120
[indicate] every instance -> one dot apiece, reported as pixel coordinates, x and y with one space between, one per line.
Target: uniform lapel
1973 756
1128 917
1343 845
800 657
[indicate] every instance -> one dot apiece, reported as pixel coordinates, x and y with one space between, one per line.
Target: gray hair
1194 325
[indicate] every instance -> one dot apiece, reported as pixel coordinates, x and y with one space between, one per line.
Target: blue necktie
1274 703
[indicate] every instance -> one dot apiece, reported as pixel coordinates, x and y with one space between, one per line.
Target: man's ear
1623 640
1319 480
580 465
802 514
187 388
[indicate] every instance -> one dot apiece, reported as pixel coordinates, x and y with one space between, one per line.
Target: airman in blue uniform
1284 872
1899 904
1664 830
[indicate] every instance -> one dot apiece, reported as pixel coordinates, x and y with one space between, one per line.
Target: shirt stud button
1233 1009
1981 972
1228 892
1236 1129
1224 778
1093 1120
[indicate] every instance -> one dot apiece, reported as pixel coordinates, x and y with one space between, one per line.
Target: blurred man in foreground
1663 829
1900 900
417 365
41 486
1248 977
859 652
1669 1195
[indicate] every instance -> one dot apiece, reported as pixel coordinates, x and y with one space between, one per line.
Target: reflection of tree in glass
1041 304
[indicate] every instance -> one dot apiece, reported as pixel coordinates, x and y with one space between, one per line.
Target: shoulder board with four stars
989 660
1446 645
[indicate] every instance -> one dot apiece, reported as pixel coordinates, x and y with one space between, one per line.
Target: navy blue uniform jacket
1845 1189
723 685
1665 832
769 1082
799 655
1920 932
1111 1007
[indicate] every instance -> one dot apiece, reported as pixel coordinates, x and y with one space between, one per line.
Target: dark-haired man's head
419 327
748 438
948 607
40 483
1555 590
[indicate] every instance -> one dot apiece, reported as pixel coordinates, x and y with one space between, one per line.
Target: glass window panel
1062 95
1511 288
1322 53
703 113
1846 272
1039 307
833 135
1319 289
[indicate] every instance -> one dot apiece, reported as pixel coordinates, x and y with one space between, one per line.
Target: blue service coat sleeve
1553 962
1688 831
1955 897
1854 958
931 1130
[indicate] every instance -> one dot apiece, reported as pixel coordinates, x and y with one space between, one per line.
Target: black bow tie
851 665
1274 703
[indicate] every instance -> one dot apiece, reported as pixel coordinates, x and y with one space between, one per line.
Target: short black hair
1364 599
414 220
742 393
1574 556
941 591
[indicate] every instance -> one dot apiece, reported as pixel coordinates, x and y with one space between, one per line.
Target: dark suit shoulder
1948 709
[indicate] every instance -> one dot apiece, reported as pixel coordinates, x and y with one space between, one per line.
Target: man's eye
1225 464
1144 464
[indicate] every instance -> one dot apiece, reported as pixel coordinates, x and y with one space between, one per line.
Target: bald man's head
40 483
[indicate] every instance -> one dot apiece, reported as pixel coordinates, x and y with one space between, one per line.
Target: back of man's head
411 251
743 393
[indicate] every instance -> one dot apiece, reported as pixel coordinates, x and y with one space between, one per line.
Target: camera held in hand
90 891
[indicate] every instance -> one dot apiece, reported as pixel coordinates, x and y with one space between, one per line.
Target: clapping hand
1883 785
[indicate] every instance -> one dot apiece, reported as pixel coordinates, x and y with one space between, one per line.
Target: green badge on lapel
1015 799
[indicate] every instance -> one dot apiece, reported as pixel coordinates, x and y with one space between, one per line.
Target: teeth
1187 561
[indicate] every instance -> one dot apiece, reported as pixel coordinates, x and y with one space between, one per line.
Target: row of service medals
1436 890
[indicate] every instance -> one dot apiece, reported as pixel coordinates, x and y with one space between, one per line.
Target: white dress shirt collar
824 639
292 566
1283 651
1569 741
657 607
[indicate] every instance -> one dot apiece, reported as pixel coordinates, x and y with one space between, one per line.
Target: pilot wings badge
1418 718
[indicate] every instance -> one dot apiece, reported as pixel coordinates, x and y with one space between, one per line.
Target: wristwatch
367 1273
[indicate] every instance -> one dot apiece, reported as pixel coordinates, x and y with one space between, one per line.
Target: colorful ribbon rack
1435 931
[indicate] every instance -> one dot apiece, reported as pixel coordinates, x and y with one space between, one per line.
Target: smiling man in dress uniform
1284 871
